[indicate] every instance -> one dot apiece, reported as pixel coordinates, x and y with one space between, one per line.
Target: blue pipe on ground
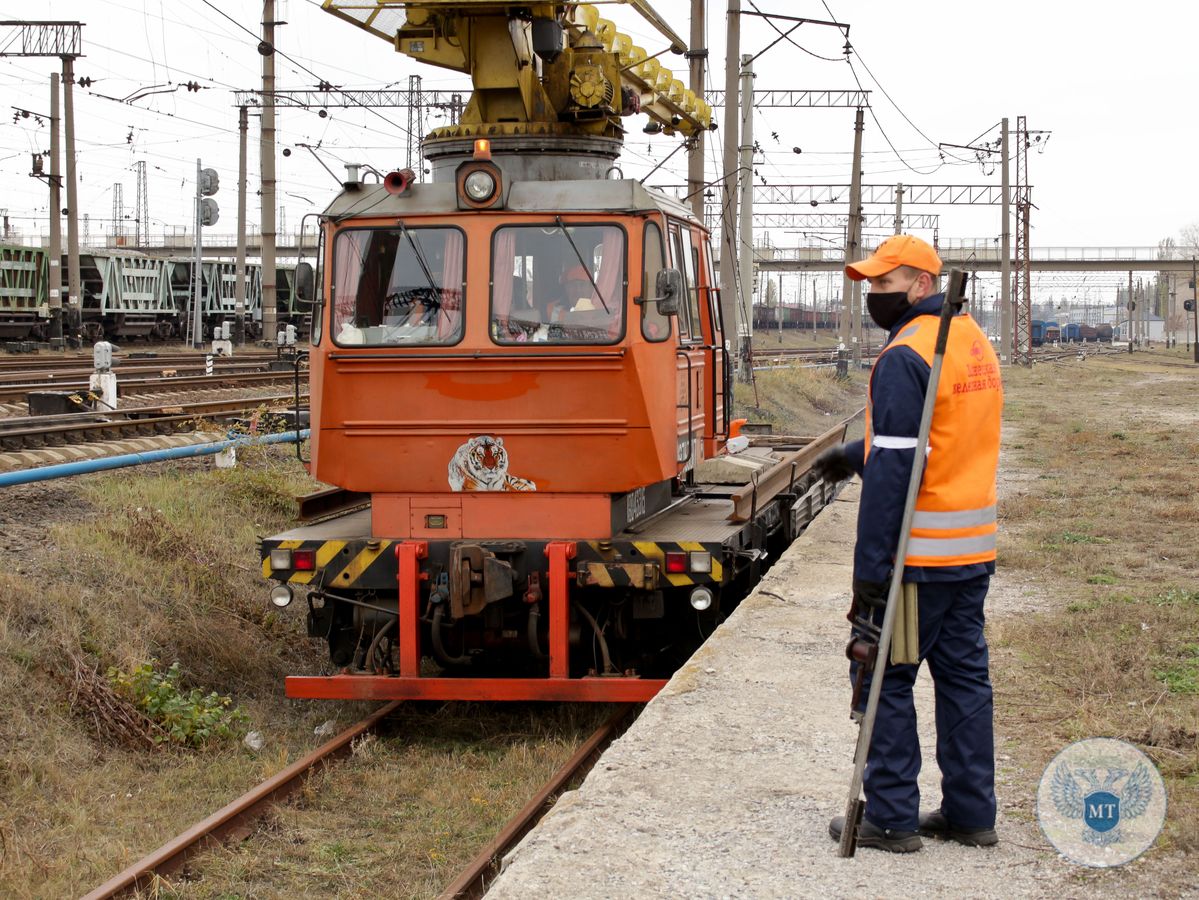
83 467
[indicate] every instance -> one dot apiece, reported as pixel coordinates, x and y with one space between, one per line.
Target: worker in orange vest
950 556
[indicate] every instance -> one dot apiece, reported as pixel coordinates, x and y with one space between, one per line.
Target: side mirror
669 289
305 282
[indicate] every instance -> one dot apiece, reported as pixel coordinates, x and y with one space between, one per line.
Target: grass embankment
1098 526
161 563
798 400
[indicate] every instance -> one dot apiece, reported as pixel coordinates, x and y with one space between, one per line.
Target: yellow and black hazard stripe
343 564
630 563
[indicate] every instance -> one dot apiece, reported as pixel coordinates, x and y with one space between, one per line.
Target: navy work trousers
951 639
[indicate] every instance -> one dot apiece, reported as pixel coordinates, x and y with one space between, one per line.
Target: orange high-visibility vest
955 518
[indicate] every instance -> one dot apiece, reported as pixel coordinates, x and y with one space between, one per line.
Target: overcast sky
1110 81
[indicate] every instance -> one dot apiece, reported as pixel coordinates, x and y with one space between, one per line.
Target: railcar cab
549 364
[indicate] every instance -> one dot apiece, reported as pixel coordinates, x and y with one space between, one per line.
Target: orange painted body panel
492 515
384 687
579 422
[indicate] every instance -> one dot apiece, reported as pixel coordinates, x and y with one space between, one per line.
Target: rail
473 880
39 431
161 384
171 856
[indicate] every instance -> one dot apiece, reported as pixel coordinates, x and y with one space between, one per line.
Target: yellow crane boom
544 69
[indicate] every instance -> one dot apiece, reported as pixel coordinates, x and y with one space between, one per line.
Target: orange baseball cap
900 250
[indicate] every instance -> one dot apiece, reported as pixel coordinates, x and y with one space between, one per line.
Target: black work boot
935 825
870 835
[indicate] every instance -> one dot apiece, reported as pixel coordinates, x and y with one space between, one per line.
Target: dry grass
130 566
408 812
801 401
1101 524
162 563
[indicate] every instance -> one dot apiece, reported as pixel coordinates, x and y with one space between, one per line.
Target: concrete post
239 288
851 326
745 241
728 192
74 278
54 267
266 152
1007 332
698 55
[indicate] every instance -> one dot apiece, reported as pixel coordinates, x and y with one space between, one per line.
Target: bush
192 718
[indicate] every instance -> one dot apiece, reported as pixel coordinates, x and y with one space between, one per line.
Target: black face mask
887 308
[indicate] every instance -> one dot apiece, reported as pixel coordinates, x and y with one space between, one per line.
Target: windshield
558 284
398 286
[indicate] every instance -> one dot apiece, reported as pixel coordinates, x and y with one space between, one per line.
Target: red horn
397 182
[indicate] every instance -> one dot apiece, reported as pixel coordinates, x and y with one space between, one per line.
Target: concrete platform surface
725 784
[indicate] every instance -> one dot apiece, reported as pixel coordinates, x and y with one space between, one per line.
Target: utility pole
266 152
698 56
745 241
416 122
899 209
850 320
197 329
64 40
1195 303
728 209
55 269
1128 308
1006 329
813 308
239 286
141 212
74 281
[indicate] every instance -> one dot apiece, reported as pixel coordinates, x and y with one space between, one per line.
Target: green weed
188 718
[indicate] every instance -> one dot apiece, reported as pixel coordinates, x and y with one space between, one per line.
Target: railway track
83 362
81 373
32 433
17 393
172 856
472 882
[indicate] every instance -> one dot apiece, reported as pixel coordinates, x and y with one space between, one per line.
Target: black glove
833 464
871 594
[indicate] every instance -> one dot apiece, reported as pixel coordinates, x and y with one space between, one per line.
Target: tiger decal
481 464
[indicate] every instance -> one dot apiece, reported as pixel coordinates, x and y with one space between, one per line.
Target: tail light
303 560
676 563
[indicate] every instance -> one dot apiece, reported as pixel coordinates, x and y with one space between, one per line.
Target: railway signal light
208 183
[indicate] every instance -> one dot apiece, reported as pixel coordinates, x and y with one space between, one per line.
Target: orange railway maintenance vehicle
518 378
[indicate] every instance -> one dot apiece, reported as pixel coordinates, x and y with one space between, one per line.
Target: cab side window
654 325
680 258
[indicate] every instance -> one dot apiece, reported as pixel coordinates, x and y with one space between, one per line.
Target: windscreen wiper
434 290
583 263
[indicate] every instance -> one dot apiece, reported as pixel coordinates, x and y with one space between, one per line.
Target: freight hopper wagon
517 383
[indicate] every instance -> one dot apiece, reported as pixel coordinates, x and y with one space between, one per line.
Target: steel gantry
64 40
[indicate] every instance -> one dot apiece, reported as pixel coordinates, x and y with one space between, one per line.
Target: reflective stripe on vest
888 442
966 518
943 548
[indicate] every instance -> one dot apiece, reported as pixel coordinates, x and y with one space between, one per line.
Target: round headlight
479 185
281 595
701 599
